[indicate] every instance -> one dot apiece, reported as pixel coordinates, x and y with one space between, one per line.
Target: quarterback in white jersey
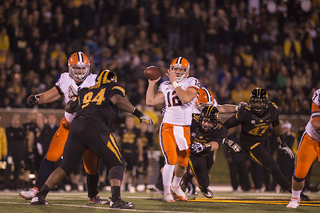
308 151
179 95
79 76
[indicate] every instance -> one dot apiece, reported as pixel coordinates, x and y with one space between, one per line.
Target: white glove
72 92
146 118
240 105
287 151
231 145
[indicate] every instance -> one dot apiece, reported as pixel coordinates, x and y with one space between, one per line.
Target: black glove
233 146
142 116
200 149
33 99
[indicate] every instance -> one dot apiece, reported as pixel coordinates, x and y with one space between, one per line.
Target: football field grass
76 202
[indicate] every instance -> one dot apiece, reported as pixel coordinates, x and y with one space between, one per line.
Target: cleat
179 193
117 203
97 200
28 195
36 201
207 192
168 198
304 197
294 203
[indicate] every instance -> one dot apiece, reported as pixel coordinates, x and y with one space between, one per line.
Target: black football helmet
211 116
106 76
258 101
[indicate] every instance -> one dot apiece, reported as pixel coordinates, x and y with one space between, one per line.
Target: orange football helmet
205 98
79 66
182 64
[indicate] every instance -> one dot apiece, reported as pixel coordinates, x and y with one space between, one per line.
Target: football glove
72 92
200 149
241 104
287 151
33 99
141 116
233 146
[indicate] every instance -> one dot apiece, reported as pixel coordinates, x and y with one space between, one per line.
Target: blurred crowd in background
232 45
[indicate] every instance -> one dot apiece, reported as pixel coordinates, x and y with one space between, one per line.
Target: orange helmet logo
79 66
182 64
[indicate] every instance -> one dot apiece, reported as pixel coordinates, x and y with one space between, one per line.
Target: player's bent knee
116 172
272 165
67 169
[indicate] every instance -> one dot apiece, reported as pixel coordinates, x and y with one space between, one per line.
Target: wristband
237 108
175 84
137 112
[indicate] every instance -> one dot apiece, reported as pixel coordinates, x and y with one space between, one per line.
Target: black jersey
147 140
95 102
129 139
216 134
254 128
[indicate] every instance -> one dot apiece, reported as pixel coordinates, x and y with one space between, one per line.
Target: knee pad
116 172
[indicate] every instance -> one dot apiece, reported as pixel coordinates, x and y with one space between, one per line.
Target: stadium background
233 46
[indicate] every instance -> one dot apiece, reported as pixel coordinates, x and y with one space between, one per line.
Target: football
152 72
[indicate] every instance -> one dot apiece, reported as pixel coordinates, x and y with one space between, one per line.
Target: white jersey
309 128
63 86
176 112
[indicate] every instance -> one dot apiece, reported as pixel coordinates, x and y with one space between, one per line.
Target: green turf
152 202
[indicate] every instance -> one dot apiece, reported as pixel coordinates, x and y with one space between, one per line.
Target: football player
255 120
179 96
98 107
205 99
79 76
308 150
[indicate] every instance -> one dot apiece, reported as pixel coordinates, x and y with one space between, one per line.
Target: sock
115 191
167 177
296 194
46 168
43 192
92 183
126 186
176 181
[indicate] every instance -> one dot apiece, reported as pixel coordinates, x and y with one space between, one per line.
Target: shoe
179 193
97 200
28 195
294 203
36 201
168 198
207 192
304 197
117 203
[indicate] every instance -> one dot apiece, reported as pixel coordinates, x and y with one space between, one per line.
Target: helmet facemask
209 119
258 101
80 71
181 68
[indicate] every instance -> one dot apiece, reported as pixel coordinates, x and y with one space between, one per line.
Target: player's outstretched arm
151 98
125 105
47 97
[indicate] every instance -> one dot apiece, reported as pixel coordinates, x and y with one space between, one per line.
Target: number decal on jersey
87 99
173 99
258 131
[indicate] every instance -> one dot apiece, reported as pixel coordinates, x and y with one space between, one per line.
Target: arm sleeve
233 121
